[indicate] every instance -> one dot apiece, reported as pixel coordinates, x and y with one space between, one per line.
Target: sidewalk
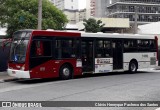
157 68
4 77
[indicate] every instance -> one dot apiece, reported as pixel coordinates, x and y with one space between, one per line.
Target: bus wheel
133 67
65 72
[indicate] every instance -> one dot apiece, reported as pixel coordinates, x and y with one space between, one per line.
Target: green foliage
23 14
91 25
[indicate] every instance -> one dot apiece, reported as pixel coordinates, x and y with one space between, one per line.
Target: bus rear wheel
65 72
133 67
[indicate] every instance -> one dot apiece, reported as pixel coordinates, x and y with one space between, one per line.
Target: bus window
143 45
152 45
84 52
130 45
41 48
65 48
103 48
99 49
107 48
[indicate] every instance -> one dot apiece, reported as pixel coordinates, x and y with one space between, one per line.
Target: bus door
117 54
87 55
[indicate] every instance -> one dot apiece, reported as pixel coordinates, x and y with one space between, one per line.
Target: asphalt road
143 86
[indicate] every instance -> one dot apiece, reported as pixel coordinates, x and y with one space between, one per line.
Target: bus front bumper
18 73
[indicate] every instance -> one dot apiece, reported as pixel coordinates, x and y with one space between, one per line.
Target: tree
23 14
91 25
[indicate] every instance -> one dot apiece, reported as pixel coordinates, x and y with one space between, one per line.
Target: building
66 4
71 10
100 8
145 11
75 16
90 8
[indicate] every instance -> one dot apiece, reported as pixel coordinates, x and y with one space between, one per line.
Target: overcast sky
82 4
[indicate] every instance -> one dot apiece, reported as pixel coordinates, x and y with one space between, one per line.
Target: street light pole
39 14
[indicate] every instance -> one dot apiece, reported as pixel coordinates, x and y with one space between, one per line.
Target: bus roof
116 35
55 33
84 34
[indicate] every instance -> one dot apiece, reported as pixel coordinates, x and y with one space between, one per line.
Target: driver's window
41 48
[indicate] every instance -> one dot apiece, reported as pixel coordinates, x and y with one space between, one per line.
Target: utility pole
135 21
39 14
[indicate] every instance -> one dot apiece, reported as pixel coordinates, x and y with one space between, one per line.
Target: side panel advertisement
103 65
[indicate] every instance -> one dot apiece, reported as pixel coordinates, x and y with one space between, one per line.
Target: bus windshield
19 46
18 51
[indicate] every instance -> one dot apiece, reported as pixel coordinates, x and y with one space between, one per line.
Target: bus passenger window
107 48
152 45
39 48
130 45
103 48
143 45
65 48
99 49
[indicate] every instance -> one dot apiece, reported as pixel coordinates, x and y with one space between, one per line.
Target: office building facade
146 10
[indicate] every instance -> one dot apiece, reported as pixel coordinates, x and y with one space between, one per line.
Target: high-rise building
71 9
146 10
100 8
90 8
75 16
66 4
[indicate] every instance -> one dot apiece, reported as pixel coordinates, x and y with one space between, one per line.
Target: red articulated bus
49 54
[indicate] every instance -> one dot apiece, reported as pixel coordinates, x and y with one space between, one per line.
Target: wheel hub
66 71
133 67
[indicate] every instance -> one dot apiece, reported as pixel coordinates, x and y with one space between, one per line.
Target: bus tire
133 66
65 72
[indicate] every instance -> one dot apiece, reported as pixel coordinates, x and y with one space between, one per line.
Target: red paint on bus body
55 33
50 69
